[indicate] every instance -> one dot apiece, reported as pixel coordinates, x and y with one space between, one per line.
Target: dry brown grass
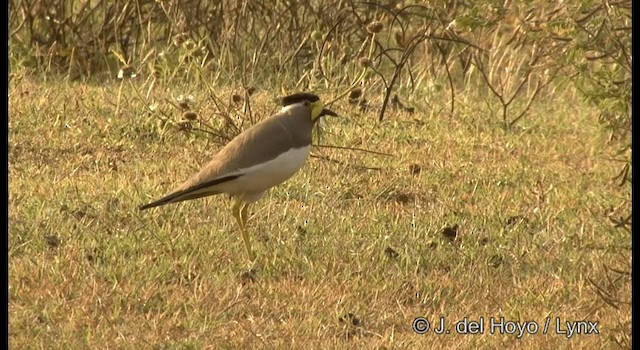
348 256
493 194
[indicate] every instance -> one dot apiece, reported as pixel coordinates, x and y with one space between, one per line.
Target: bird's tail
193 192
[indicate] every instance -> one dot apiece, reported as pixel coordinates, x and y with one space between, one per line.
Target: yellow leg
240 213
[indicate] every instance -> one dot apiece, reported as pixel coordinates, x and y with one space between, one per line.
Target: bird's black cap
299 97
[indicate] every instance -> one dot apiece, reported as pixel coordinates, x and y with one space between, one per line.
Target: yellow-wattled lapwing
263 156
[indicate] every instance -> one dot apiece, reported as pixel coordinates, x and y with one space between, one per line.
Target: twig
345 164
356 149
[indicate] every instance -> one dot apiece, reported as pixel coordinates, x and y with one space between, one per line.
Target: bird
259 158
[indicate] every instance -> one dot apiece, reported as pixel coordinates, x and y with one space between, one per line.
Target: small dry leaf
350 319
248 277
450 232
496 260
514 220
52 241
184 125
363 106
316 35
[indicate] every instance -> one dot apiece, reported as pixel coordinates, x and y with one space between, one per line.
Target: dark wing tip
143 207
299 97
201 190
171 198
153 204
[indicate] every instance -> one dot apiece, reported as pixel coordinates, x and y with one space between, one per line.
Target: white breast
259 178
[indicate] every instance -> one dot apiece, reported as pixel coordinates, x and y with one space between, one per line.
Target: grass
351 249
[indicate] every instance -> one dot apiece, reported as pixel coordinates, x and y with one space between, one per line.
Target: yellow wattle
316 109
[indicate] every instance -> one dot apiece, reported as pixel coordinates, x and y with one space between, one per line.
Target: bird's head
316 105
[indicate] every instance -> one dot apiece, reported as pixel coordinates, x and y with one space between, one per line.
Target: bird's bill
318 110
328 112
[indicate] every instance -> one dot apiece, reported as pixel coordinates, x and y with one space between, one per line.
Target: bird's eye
307 104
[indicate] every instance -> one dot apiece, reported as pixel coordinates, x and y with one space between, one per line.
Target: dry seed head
365 62
126 72
236 98
316 35
399 38
179 38
190 115
355 94
189 44
451 25
375 27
